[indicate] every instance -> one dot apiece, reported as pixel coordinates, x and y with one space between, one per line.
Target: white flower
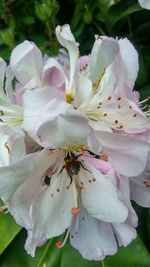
144 3
10 112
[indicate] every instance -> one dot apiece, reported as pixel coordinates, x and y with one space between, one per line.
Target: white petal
95 194
92 238
127 155
82 91
12 146
4 150
140 190
129 65
26 62
13 176
63 130
125 233
51 212
145 3
35 102
103 53
67 40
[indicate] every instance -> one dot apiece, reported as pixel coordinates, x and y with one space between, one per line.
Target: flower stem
103 265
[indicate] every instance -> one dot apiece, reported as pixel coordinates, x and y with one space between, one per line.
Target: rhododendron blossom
75 144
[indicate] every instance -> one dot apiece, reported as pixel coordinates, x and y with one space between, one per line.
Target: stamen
75 210
145 100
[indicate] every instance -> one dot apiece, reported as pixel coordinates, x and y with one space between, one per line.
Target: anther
75 211
134 115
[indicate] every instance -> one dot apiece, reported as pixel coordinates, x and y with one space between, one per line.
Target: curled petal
26 62
94 239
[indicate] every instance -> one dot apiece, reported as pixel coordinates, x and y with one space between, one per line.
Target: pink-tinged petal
124 233
26 62
99 165
124 194
92 238
53 74
145 4
140 190
97 190
127 155
103 53
83 63
51 212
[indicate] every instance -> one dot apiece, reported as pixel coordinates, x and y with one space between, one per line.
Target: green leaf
45 10
134 255
8 230
8 37
120 11
16 255
87 17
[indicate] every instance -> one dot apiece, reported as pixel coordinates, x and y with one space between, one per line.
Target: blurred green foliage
36 20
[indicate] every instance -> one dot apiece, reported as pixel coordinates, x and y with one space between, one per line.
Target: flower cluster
75 144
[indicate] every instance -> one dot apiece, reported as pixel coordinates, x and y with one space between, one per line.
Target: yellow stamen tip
69 98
